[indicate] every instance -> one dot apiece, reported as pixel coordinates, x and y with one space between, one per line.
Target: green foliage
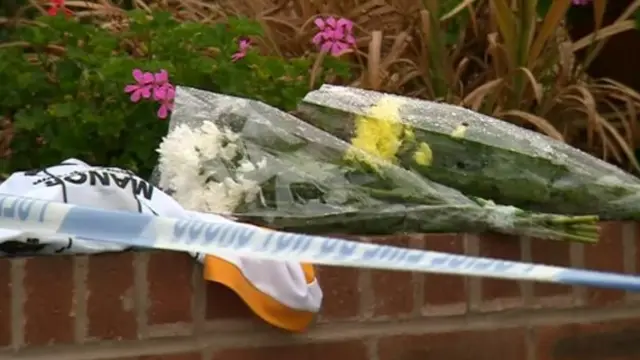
65 95
455 25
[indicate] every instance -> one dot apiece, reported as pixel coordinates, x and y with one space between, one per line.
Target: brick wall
154 305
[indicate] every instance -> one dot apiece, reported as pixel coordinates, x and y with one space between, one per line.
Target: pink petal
163 111
345 24
159 93
350 40
131 88
171 94
145 92
147 78
319 23
331 21
338 48
138 75
244 44
237 56
163 92
135 96
318 38
337 34
161 77
326 47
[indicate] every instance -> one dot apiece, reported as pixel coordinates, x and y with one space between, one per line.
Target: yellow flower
423 156
408 134
459 131
380 132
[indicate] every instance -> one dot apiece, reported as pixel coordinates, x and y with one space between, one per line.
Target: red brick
606 255
185 356
392 290
614 340
505 247
341 292
5 302
169 277
48 306
111 302
223 303
351 350
445 289
556 253
508 344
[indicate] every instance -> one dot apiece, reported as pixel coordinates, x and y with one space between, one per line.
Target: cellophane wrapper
479 155
310 181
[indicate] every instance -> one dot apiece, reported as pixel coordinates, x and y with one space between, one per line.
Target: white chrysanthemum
183 154
176 158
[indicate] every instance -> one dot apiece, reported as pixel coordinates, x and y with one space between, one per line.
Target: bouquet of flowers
260 165
476 154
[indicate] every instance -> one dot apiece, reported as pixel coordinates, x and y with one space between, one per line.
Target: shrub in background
63 83
509 59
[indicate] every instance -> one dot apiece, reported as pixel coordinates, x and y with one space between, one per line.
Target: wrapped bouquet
476 154
245 159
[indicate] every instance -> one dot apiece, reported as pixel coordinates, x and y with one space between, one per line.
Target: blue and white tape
45 218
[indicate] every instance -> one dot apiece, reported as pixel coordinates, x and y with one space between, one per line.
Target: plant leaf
551 21
599 7
506 21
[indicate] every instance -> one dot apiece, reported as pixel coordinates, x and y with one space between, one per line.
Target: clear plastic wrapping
245 159
476 154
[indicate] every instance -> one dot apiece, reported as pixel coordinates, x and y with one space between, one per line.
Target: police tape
46 218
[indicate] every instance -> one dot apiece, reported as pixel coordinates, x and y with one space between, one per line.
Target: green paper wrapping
476 154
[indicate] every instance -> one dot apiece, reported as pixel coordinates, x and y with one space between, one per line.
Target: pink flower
243 47
166 101
56 6
143 86
158 85
335 35
161 79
